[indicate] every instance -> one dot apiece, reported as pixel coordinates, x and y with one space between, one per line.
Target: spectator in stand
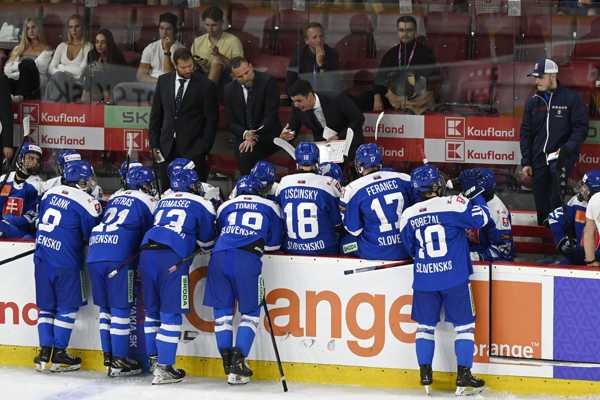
252 113
6 121
102 72
578 7
555 124
313 59
27 66
214 50
68 63
157 57
403 71
327 116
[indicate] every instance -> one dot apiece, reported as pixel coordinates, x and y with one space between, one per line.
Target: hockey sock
104 326
425 344
168 337
464 344
63 326
151 324
46 328
119 332
223 328
246 331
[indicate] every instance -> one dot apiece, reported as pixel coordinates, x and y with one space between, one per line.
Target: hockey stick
129 149
279 365
125 263
13 160
348 141
18 256
377 122
377 267
285 145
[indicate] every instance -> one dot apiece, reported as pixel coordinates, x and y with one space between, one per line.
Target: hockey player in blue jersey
123 169
332 170
433 231
19 197
182 221
250 224
264 171
62 158
203 189
567 230
68 213
310 204
128 215
494 242
371 208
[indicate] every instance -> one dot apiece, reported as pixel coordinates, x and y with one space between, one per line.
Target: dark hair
300 88
214 13
113 53
236 62
312 25
169 18
407 18
182 53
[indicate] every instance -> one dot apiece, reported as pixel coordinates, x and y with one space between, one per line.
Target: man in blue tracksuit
555 124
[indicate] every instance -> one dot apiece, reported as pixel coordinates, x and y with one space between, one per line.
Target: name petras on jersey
371 209
434 234
310 204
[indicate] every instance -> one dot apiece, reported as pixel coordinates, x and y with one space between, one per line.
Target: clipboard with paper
335 150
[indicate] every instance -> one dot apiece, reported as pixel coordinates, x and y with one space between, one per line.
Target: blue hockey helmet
427 179
180 163
124 167
264 171
183 176
332 170
248 184
482 177
31 165
307 154
64 156
141 178
79 173
590 184
367 156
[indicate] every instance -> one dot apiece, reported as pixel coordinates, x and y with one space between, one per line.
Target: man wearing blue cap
555 124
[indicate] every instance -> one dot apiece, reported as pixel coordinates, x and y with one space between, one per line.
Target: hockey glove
473 192
567 247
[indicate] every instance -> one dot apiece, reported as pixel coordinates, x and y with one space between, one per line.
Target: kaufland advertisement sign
321 316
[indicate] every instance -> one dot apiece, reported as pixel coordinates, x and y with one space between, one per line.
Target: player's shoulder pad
142 197
575 202
253 199
50 183
312 181
497 205
192 197
354 187
83 199
36 182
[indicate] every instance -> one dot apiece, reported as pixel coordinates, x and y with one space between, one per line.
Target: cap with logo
544 66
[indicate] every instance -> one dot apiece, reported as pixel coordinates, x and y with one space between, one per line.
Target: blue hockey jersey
19 204
67 217
128 215
576 210
434 234
249 219
183 220
494 241
371 209
310 204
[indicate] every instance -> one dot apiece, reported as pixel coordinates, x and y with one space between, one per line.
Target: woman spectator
68 63
104 69
28 63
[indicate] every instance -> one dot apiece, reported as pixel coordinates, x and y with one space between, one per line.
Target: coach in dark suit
251 112
316 111
183 120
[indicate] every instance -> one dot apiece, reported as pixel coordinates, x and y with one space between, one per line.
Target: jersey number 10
434 242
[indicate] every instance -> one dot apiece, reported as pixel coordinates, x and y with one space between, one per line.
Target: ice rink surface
25 384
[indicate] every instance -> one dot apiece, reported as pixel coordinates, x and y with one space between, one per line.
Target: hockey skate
164 374
239 373
426 377
226 355
107 357
467 384
42 359
64 362
124 367
152 361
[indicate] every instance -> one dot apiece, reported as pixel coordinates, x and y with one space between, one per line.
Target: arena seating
118 19
146 24
55 18
447 36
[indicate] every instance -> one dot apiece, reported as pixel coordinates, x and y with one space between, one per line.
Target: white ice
25 384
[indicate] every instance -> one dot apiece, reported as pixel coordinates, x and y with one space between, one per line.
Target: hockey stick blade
18 256
377 122
348 141
377 267
285 145
26 126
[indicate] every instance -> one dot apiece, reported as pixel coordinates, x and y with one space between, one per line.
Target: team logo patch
580 216
130 276
350 247
5 190
98 207
185 293
13 206
505 221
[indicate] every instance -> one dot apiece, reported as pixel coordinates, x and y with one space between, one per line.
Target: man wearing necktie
183 119
251 113
327 116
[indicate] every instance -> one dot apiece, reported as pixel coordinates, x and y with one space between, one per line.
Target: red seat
562 39
580 76
55 20
494 36
531 41
588 38
283 33
513 87
192 24
146 23
15 13
248 23
276 66
358 44
448 35
116 18
470 83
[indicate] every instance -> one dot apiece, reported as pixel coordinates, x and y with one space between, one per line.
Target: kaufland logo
63 118
455 127
455 151
394 153
589 158
133 138
62 140
33 111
